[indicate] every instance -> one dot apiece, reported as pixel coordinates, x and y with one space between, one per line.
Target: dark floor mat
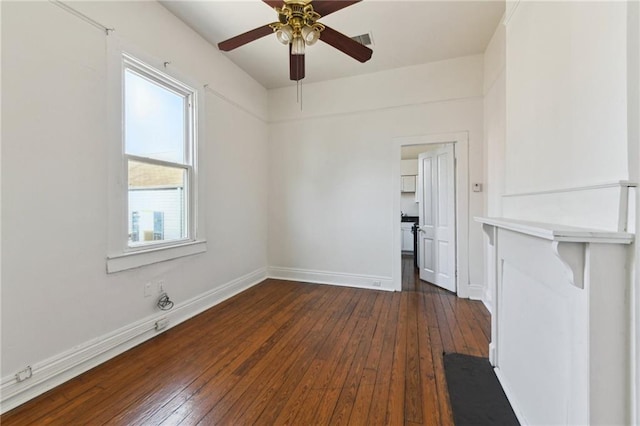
475 392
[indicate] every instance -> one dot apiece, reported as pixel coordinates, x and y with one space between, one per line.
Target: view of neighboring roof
143 175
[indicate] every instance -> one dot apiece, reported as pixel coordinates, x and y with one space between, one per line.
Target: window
158 140
158 128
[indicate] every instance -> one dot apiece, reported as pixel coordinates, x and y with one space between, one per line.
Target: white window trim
120 256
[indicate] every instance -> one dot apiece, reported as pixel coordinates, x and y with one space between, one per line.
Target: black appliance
414 230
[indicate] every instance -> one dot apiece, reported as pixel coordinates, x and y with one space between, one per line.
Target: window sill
123 262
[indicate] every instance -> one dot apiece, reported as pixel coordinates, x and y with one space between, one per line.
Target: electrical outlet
161 323
147 289
377 283
24 374
161 286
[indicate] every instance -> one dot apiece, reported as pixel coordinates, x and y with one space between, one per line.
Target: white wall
570 114
494 137
566 112
56 296
408 204
633 123
331 191
494 120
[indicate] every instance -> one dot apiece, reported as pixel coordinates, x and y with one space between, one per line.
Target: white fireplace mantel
560 338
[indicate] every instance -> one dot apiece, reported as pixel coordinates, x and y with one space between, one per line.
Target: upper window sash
173 85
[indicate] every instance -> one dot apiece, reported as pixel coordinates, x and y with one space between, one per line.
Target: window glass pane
154 120
157 203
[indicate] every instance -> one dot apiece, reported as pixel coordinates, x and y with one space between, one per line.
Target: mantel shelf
559 233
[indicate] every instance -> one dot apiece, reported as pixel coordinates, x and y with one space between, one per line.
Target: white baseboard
58 369
510 397
474 292
332 278
486 300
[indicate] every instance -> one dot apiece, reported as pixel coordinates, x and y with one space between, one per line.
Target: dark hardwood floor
283 353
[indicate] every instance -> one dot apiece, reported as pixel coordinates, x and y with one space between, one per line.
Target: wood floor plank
282 386
363 399
413 374
320 367
395 404
338 384
256 387
346 398
436 334
165 362
194 357
378 408
430 406
284 353
318 402
60 396
213 386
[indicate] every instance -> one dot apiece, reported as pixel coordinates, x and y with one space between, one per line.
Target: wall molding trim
615 184
486 301
512 6
234 104
510 396
362 111
476 292
331 278
58 369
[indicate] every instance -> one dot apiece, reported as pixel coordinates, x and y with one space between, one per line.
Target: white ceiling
404 33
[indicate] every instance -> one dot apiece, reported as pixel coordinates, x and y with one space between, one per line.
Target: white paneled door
437 236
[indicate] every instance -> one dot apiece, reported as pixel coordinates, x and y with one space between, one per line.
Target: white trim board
509 394
616 184
331 278
58 369
461 149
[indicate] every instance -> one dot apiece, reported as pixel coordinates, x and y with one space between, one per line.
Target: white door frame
461 149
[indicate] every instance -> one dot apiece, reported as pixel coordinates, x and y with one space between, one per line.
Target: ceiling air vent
363 39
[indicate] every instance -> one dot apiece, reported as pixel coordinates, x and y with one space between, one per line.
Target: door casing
461 141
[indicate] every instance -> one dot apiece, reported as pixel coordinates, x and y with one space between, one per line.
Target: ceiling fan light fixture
297 46
285 34
310 35
297 27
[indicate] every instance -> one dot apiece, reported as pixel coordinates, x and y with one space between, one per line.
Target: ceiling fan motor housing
297 25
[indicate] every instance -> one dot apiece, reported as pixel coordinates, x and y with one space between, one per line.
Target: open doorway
440 237
428 212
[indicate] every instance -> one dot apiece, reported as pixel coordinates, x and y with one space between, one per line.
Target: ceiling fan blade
325 7
274 3
296 66
242 39
346 45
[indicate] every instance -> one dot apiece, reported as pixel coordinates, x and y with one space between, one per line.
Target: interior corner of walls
49 373
510 10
